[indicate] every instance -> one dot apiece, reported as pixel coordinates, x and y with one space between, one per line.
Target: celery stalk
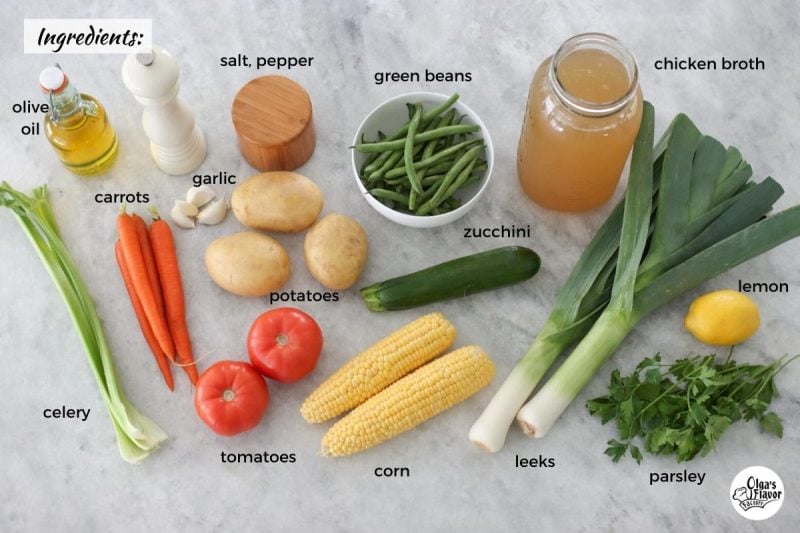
137 435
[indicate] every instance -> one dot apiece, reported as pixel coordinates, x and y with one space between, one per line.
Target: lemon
722 318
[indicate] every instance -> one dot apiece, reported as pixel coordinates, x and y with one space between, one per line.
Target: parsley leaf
771 423
684 408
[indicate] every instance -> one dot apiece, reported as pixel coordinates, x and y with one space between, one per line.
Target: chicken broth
582 116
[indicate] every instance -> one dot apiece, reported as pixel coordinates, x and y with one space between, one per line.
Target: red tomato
231 397
284 344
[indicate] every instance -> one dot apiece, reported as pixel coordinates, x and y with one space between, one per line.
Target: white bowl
390 116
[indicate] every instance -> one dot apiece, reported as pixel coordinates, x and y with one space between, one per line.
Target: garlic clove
187 208
213 213
200 196
180 218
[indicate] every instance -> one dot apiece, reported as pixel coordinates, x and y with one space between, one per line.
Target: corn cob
410 401
378 366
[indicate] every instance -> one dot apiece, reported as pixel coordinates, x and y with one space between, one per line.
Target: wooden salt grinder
273 119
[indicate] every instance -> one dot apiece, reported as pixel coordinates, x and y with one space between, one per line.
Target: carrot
149 261
168 271
132 252
147 331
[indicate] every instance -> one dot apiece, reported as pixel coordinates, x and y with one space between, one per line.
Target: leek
137 435
687 217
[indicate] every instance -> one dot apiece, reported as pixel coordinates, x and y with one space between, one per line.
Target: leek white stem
538 415
490 430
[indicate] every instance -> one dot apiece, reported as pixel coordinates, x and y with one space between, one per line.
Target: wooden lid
273 119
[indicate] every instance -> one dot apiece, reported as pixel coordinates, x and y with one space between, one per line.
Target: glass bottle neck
601 45
65 103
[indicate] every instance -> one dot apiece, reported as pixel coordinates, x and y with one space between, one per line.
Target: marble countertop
69 474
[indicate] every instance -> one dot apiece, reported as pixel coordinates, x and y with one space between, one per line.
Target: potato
336 251
247 263
277 201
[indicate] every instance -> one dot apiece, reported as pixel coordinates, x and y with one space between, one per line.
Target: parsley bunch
683 408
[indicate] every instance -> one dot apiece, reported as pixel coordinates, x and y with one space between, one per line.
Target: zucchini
460 277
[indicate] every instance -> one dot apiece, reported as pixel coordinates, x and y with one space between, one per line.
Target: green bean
368 161
452 203
465 174
375 165
432 179
437 170
426 118
443 167
401 164
431 160
430 182
395 181
365 170
389 195
431 125
447 118
467 159
408 151
387 165
436 111
430 146
422 137
412 200
455 122
474 178
427 152
425 196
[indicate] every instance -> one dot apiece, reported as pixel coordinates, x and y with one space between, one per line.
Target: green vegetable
137 435
412 169
438 133
703 219
408 150
429 160
453 279
464 163
683 409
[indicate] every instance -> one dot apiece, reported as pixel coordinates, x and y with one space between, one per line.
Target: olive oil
77 126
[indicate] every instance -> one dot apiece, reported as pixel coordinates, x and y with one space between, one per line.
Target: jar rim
608 44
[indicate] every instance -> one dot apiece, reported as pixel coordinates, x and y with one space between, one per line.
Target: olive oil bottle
77 126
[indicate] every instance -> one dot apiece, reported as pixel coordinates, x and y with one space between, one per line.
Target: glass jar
583 113
77 126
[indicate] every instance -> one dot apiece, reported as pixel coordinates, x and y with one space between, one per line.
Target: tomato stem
228 395
282 339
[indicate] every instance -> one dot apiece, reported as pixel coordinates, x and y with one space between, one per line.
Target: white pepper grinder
176 143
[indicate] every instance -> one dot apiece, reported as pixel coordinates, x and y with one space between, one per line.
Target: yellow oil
85 141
